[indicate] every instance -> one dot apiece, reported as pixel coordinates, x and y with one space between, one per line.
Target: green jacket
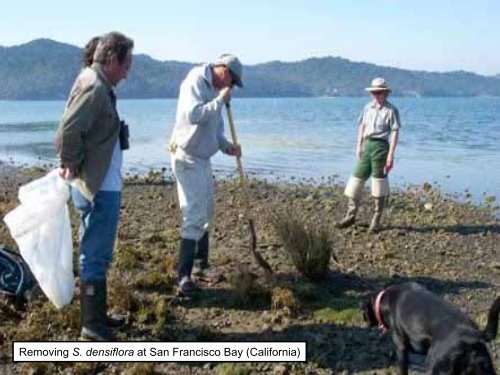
88 130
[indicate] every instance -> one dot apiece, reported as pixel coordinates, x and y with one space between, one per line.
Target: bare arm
395 124
359 145
393 144
392 149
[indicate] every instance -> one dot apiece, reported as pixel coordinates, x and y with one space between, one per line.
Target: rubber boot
186 258
379 204
350 216
93 299
201 256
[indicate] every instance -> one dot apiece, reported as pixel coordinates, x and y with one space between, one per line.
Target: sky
438 35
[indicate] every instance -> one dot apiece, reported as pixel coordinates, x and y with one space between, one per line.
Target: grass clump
162 313
126 259
247 290
308 244
170 272
122 297
283 299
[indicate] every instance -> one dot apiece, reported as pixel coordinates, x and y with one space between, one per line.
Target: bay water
449 142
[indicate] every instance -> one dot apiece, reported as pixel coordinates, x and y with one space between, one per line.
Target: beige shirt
379 121
89 130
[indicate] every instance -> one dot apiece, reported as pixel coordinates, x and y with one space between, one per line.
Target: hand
388 164
225 93
234 150
67 173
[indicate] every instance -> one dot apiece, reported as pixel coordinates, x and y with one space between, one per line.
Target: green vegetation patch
341 310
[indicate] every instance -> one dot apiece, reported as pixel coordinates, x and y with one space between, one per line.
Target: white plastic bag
42 230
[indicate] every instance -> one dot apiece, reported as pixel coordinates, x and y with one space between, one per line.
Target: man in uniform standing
378 133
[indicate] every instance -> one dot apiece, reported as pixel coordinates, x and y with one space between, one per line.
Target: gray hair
113 44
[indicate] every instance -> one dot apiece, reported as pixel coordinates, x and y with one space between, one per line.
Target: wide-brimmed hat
234 65
378 84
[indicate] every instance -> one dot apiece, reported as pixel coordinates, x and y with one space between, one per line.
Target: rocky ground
450 247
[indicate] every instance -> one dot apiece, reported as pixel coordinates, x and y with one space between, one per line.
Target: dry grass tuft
308 244
121 295
247 290
162 313
283 299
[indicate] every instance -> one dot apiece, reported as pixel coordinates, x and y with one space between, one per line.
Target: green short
373 159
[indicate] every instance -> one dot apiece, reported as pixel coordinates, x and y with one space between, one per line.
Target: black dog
421 322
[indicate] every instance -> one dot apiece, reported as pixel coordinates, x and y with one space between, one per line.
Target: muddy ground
452 248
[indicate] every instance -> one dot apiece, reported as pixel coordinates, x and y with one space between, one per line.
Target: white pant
195 189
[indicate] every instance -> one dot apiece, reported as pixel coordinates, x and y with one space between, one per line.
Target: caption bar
158 351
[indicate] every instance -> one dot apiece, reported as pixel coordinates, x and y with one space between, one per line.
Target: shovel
246 201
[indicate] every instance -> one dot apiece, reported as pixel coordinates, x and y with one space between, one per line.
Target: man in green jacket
90 148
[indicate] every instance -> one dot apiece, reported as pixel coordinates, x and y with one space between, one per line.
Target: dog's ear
368 313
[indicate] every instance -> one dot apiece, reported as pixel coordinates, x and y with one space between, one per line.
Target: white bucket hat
378 84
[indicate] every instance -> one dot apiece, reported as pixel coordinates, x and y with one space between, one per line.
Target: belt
377 139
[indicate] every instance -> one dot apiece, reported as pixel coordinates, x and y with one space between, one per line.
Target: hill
45 69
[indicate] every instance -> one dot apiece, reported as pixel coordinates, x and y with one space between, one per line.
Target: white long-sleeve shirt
199 127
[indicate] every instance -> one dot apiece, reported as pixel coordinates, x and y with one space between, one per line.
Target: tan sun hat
378 84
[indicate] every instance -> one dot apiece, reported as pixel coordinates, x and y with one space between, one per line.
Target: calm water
451 142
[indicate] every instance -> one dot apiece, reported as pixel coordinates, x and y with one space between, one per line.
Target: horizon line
273 61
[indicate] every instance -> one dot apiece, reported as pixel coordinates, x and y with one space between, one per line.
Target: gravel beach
451 247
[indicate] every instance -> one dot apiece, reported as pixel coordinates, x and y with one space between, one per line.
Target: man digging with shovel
197 135
378 122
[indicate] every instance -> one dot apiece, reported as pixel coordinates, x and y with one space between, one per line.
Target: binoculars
124 135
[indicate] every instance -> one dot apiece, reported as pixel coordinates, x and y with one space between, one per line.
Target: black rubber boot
201 256
93 299
186 259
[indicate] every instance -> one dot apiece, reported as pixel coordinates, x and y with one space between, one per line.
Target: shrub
308 244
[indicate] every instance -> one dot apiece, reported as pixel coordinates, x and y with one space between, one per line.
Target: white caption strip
159 351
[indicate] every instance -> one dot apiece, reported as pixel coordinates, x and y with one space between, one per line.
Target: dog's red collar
378 314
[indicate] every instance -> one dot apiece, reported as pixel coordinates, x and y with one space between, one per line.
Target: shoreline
334 180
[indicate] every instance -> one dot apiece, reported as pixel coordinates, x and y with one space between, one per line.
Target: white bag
42 230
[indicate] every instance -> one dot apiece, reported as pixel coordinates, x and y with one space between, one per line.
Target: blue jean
99 224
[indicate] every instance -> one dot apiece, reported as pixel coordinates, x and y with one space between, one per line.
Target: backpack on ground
15 277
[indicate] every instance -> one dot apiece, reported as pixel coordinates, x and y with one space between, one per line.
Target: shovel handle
243 181
246 200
